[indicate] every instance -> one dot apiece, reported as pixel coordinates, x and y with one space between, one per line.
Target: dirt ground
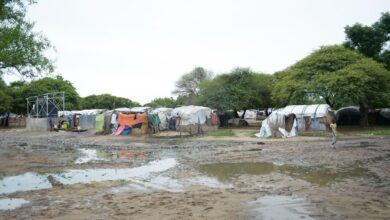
192 177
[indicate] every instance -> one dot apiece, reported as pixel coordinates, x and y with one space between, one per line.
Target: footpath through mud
83 176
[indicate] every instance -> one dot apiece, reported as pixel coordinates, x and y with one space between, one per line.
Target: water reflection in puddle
25 182
89 155
279 207
317 175
89 175
168 184
10 204
33 181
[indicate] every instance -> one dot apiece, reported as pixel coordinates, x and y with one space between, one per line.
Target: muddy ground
50 175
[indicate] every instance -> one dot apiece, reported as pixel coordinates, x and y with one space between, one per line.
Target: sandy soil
212 178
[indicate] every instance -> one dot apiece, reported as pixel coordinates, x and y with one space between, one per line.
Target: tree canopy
335 75
162 102
107 101
21 49
239 89
372 40
188 84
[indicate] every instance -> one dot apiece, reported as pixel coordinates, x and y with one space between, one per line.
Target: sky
138 49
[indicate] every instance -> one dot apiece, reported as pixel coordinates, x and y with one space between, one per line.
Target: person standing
333 126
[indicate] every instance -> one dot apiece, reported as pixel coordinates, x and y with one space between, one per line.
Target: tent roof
318 110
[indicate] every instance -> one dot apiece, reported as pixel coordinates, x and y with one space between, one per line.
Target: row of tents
282 122
143 120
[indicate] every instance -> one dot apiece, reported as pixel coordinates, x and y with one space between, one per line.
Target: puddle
279 207
33 181
168 184
89 175
25 182
316 175
89 155
10 204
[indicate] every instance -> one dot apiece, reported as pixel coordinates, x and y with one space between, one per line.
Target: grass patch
366 131
222 133
351 131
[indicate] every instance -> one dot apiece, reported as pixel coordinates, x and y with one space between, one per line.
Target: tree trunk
243 114
363 115
235 113
266 112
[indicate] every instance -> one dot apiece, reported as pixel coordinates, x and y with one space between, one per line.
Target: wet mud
82 176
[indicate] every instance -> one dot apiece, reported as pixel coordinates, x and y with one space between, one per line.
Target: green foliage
335 75
6 99
239 89
371 40
56 84
107 101
21 49
162 102
306 81
188 84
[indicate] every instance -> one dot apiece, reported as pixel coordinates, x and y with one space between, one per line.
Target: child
333 126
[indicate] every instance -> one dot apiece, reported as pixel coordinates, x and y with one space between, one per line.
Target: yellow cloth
333 126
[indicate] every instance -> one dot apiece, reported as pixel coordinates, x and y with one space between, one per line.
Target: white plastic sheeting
164 114
249 114
81 112
277 119
191 115
140 109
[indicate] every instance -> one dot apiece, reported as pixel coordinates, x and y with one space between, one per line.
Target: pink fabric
120 129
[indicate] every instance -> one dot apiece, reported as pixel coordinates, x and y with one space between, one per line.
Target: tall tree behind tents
188 84
21 49
162 102
54 84
107 101
237 90
330 74
5 97
371 41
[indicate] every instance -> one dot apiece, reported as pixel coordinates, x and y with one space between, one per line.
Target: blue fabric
126 131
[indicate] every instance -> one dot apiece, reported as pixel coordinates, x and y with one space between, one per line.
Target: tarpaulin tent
164 114
193 119
299 118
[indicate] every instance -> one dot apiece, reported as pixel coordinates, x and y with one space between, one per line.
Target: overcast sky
138 49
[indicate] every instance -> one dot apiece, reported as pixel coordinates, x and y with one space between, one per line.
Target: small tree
239 89
188 84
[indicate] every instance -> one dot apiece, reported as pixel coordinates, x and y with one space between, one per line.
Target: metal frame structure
41 104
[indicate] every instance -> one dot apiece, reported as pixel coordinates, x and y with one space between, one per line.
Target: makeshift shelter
292 119
194 119
164 114
348 116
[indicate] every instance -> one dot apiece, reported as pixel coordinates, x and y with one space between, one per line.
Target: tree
55 84
162 102
299 84
107 101
188 84
337 76
371 41
239 89
6 99
21 49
